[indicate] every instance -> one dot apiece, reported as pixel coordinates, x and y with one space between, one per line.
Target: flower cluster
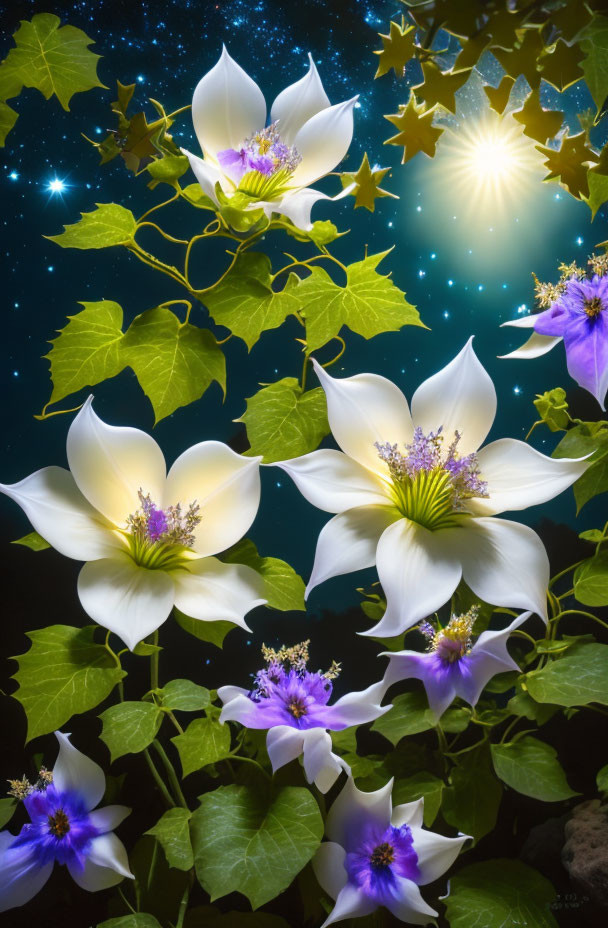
454 640
263 153
168 526
20 789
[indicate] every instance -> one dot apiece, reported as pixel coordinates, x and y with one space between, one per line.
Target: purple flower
65 828
580 317
263 164
292 704
455 666
235 162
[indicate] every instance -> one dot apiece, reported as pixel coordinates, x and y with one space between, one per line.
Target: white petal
328 864
405 901
21 877
348 542
365 409
108 818
109 851
94 878
361 706
225 485
206 174
523 322
213 591
461 397
351 903
419 570
409 813
323 141
535 347
227 106
111 464
321 766
129 600
436 854
519 476
353 810
59 512
505 564
227 693
76 772
298 205
298 102
333 481
488 657
283 744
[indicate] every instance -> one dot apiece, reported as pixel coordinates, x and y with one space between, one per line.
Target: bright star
14 175
56 186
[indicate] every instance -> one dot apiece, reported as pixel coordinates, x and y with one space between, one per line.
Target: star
367 181
56 186
499 96
439 87
398 47
538 123
569 164
523 58
562 68
417 132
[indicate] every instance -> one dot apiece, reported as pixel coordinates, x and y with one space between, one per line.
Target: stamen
599 264
455 640
19 789
155 534
382 856
263 166
59 824
593 307
297 708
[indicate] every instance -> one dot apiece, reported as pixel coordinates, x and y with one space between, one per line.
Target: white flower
379 856
273 165
147 536
65 828
416 498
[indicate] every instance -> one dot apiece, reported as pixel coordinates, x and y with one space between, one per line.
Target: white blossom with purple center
148 537
416 495
270 165
291 702
378 855
454 663
66 828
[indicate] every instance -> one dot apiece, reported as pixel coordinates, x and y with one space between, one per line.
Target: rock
585 853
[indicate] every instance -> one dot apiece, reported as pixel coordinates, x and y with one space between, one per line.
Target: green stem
154 663
304 370
182 109
248 760
183 906
126 901
170 238
587 615
522 634
563 573
173 779
159 780
158 206
116 658
508 729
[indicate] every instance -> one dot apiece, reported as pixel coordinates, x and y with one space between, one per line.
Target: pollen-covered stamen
383 855
297 708
593 306
156 535
455 640
59 824
263 165
431 483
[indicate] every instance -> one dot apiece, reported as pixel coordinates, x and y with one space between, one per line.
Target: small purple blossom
382 855
168 526
235 162
263 152
61 829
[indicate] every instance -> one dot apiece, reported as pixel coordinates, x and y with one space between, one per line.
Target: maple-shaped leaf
367 185
8 118
121 105
570 20
397 49
416 130
461 18
597 178
561 67
471 51
502 28
522 59
570 163
498 97
539 124
439 87
140 141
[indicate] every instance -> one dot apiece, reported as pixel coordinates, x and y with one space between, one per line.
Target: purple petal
553 321
586 343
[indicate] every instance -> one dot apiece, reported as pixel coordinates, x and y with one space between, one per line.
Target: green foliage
410 714
167 170
184 695
531 767
8 118
204 742
129 727
7 809
552 408
254 841
33 541
368 304
63 674
108 225
157 887
212 632
421 785
576 679
524 706
591 580
172 831
583 439
366 184
284 422
595 62
472 800
500 893
137 920
284 588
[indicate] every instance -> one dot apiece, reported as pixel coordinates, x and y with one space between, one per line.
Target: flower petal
21 876
436 854
75 772
239 708
298 205
365 409
323 141
328 864
350 903
227 106
60 513
109 851
408 813
439 684
419 570
404 900
488 657
111 464
298 102
348 542
284 744
206 174
519 476
523 322
108 818
321 766
535 347
212 591
129 600
353 810
225 485
505 564
586 344
461 397
94 878
356 708
333 481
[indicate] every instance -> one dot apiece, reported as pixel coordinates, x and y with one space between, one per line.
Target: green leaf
52 58
586 438
63 674
173 834
129 727
591 580
595 62
284 587
167 170
213 632
531 767
174 362
204 742
7 809
578 678
87 350
157 887
594 535
601 780
245 302
283 422
33 541
137 920
369 304
195 196
419 785
184 695
8 118
500 894
524 706
472 800
409 716
552 407
109 224
254 841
